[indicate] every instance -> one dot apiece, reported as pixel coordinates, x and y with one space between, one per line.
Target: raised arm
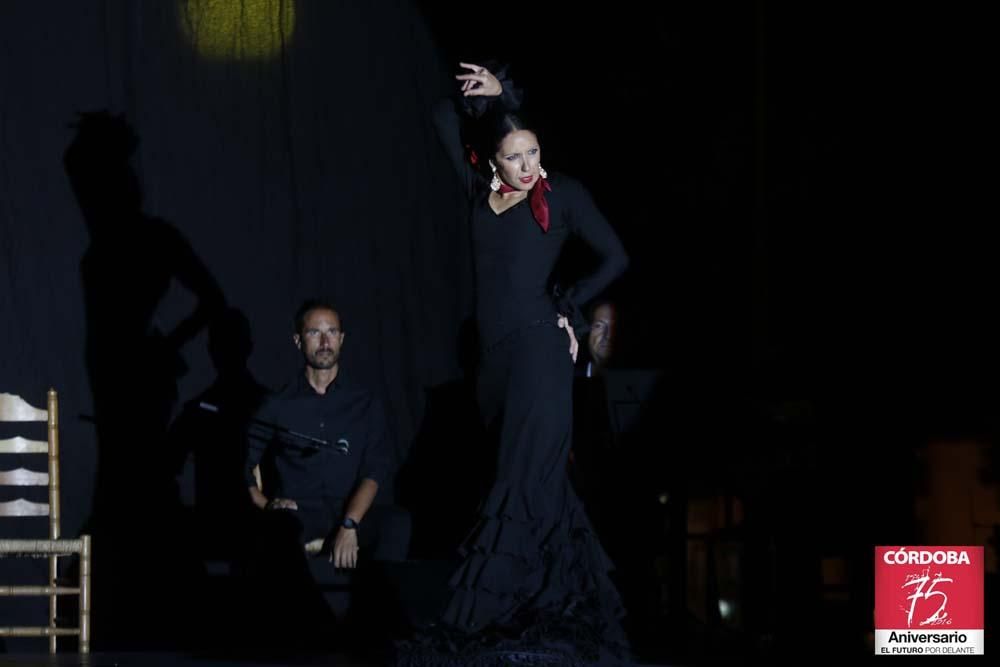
480 90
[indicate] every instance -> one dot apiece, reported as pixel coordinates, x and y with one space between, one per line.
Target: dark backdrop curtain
311 172
284 152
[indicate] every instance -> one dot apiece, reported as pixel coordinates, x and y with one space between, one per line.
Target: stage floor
181 660
142 659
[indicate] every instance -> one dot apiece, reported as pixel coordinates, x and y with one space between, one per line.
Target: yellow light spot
238 29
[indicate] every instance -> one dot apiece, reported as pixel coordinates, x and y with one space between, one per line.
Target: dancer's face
517 159
320 339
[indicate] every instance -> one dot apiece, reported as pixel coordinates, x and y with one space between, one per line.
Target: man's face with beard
320 339
602 333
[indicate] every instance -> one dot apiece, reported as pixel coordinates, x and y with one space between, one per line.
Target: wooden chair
15 409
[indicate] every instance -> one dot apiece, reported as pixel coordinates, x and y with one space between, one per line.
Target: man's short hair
310 305
594 305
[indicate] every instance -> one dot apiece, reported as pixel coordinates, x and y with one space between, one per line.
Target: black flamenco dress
533 587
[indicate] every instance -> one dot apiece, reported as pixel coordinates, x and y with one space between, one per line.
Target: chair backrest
16 409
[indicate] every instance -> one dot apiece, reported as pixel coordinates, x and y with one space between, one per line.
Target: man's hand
345 549
281 504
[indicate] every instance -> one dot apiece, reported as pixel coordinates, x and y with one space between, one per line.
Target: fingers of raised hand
479 69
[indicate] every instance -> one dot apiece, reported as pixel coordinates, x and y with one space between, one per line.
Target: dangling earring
542 172
495 183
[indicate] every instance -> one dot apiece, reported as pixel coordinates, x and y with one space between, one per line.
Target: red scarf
539 207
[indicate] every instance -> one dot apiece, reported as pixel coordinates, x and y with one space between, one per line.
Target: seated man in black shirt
328 490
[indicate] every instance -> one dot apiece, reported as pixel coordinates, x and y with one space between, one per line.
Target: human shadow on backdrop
208 446
134 361
210 434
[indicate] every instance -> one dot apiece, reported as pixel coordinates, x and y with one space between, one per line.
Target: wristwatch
349 523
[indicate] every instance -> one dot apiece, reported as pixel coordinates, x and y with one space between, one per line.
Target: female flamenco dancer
533 587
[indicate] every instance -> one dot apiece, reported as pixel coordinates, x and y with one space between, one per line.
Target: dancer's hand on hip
574 346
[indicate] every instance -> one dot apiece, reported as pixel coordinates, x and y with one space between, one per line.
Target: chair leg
85 595
53 601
